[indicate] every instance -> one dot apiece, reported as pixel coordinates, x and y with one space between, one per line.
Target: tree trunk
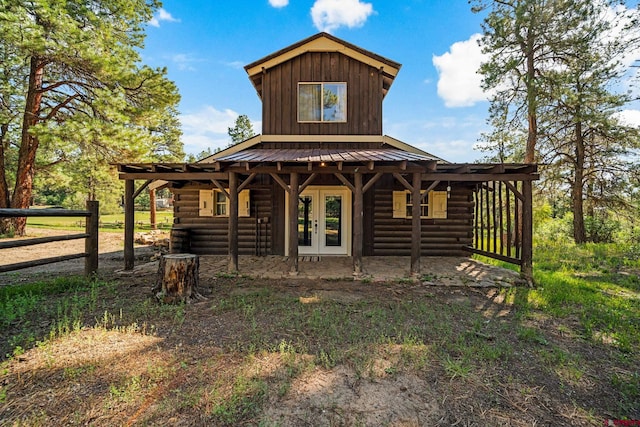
4 186
5 223
577 190
177 279
28 143
532 101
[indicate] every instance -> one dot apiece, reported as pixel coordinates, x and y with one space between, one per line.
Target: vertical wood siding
280 95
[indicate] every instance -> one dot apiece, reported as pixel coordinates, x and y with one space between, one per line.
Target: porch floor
438 271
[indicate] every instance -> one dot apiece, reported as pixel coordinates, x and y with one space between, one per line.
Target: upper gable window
322 102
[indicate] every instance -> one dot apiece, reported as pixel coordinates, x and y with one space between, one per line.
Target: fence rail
90 235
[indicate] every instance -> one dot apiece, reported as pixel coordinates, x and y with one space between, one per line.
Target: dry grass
296 353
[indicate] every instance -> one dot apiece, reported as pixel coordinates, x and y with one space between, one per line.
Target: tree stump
177 279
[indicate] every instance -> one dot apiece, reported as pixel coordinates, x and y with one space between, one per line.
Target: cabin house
322 178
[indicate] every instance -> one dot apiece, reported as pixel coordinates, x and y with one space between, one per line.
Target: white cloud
448 137
459 84
184 61
630 117
237 65
162 15
208 128
278 3
329 15
623 29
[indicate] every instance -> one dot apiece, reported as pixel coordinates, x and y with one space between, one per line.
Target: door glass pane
305 226
333 220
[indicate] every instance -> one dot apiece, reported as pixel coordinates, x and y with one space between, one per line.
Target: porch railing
498 221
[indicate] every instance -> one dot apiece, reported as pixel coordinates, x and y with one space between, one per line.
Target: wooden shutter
206 203
399 204
243 203
439 204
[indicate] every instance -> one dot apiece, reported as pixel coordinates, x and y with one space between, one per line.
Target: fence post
129 223
91 242
526 268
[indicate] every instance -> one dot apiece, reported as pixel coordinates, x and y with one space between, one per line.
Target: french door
324 221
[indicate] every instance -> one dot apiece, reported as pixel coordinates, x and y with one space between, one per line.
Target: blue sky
435 103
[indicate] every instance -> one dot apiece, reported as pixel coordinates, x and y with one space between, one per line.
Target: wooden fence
498 221
90 235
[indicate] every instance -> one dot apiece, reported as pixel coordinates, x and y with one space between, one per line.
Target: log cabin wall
208 235
440 237
383 234
280 95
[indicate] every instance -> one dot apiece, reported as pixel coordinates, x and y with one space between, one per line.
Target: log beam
280 182
403 181
372 181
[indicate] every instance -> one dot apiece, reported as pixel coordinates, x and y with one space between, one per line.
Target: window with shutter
206 203
433 206
216 203
439 204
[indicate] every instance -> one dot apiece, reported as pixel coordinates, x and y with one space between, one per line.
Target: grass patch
60 304
242 402
110 222
32 314
599 284
256 345
337 333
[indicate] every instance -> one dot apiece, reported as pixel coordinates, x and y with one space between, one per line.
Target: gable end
325 43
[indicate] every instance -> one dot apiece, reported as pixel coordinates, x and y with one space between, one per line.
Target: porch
437 271
493 205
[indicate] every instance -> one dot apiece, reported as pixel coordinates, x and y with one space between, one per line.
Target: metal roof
304 155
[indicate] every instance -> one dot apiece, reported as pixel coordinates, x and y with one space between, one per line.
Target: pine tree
242 130
84 87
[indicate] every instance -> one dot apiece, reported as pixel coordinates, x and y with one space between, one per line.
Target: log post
129 223
526 267
91 242
358 214
293 224
416 222
233 223
177 280
152 208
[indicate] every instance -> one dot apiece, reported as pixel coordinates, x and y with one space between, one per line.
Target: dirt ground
169 370
111 255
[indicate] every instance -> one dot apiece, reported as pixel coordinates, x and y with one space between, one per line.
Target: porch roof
306 162
333 155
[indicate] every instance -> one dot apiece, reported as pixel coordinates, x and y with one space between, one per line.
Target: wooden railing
498 216
90 235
